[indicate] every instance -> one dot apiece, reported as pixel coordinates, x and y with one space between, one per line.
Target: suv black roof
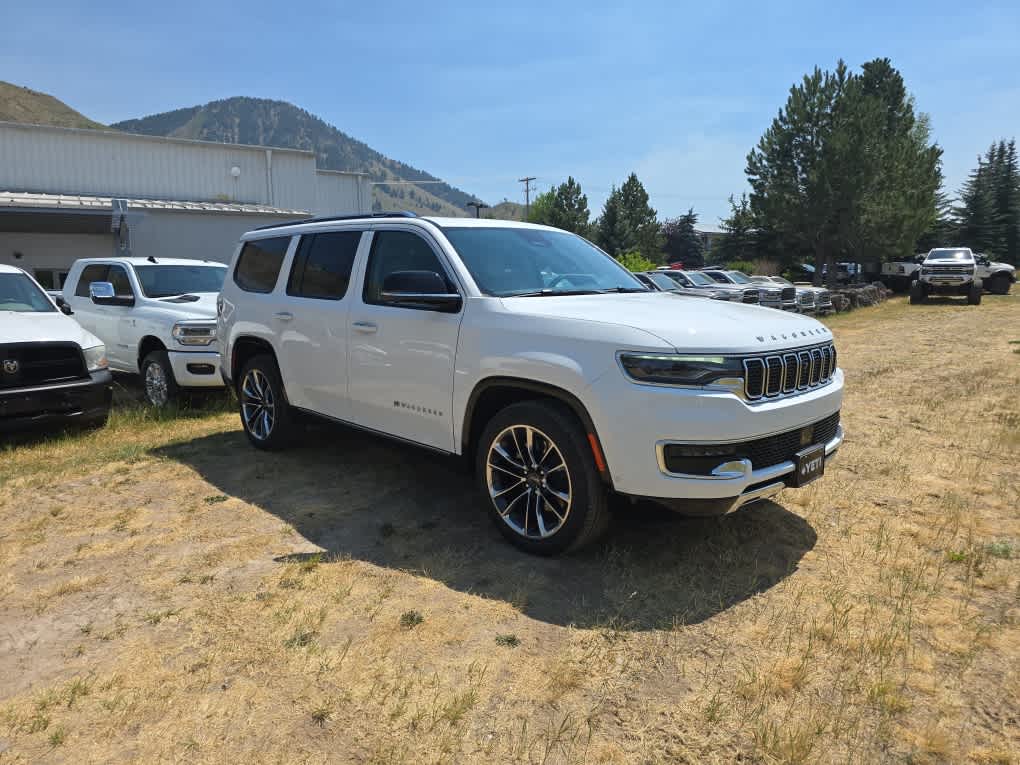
328 218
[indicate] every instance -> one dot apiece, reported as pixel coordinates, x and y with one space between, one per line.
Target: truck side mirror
102 293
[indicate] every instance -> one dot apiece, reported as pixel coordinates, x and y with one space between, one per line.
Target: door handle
284 315
368 327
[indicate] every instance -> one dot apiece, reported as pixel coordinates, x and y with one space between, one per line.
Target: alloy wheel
258 404
156 384
528 481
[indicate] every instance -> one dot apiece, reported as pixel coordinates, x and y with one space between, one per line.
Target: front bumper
196 369
80 402
753 485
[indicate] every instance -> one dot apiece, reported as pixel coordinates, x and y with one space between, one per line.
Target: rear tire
916 292
262 403
974 293
538 479
158 380
998 284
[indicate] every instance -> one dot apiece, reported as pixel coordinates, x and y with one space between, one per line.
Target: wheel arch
492 394
147 345
245 348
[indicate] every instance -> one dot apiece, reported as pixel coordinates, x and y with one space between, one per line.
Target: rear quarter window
258 266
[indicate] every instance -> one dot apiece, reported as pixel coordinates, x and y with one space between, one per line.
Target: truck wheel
538 476
916 292
974 294
998 284
158 378
265 411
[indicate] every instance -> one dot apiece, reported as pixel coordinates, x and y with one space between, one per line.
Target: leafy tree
635 261
541 210
682 242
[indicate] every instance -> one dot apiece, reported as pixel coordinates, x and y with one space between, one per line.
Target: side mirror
63 305
102 293
424 290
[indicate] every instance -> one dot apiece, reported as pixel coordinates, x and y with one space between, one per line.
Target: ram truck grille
788 373
751 296
789 293
27 364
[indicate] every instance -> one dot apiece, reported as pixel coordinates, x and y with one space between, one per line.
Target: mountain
18 104
277 123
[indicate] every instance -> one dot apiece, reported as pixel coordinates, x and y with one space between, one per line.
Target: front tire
916 292
974 293
158 379
539 480
262 402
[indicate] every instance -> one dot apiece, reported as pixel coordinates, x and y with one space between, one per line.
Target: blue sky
677 93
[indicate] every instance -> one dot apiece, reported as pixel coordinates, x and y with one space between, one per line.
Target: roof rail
328 218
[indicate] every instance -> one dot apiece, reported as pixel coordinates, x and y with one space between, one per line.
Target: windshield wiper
625 289
546 292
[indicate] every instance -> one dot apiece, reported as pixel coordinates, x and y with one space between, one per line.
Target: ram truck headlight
95 358
194 332
690 370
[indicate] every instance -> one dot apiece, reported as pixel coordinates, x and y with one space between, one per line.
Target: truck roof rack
328 218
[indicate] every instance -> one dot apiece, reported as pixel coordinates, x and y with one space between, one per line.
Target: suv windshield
166 281
19 293
505 262
699 279
949 255
738 278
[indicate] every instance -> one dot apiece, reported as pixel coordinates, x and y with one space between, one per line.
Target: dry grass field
169 594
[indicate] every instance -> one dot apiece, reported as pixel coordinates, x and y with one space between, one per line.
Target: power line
527 194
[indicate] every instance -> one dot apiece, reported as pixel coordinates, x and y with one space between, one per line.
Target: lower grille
700 459
751 296
25 364
771 450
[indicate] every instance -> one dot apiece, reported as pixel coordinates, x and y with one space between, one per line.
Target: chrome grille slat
773 376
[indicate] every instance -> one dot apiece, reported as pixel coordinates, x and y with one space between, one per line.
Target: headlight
194 332
95 358
669 369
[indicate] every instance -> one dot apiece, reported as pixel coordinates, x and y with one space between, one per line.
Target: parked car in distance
695 280
535 355
769 296
156 317
660 282
947 271
809 299
52 372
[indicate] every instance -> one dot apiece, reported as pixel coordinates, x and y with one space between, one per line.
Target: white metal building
67 193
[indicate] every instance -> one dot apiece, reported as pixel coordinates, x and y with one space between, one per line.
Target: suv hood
38 327
686 325
203 308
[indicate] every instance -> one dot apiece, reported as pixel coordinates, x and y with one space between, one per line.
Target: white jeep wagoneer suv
536 355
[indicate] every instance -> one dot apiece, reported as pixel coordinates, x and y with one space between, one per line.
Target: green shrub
635 261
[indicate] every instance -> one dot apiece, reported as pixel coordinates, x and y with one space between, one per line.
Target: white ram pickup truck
157 318
535 355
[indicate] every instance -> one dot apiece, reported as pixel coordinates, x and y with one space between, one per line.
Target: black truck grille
787 373
762 452
789 293
771 450
751 296
26 364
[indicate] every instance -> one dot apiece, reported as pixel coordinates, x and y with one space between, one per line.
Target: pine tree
564 206
682 241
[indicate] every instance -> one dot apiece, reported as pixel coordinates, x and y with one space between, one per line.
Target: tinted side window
259 264
118 277
89 274
322 265
398 251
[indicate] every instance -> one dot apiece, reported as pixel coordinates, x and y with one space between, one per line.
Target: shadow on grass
362 497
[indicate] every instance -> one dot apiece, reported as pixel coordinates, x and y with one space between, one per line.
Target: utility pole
479 206
527 194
